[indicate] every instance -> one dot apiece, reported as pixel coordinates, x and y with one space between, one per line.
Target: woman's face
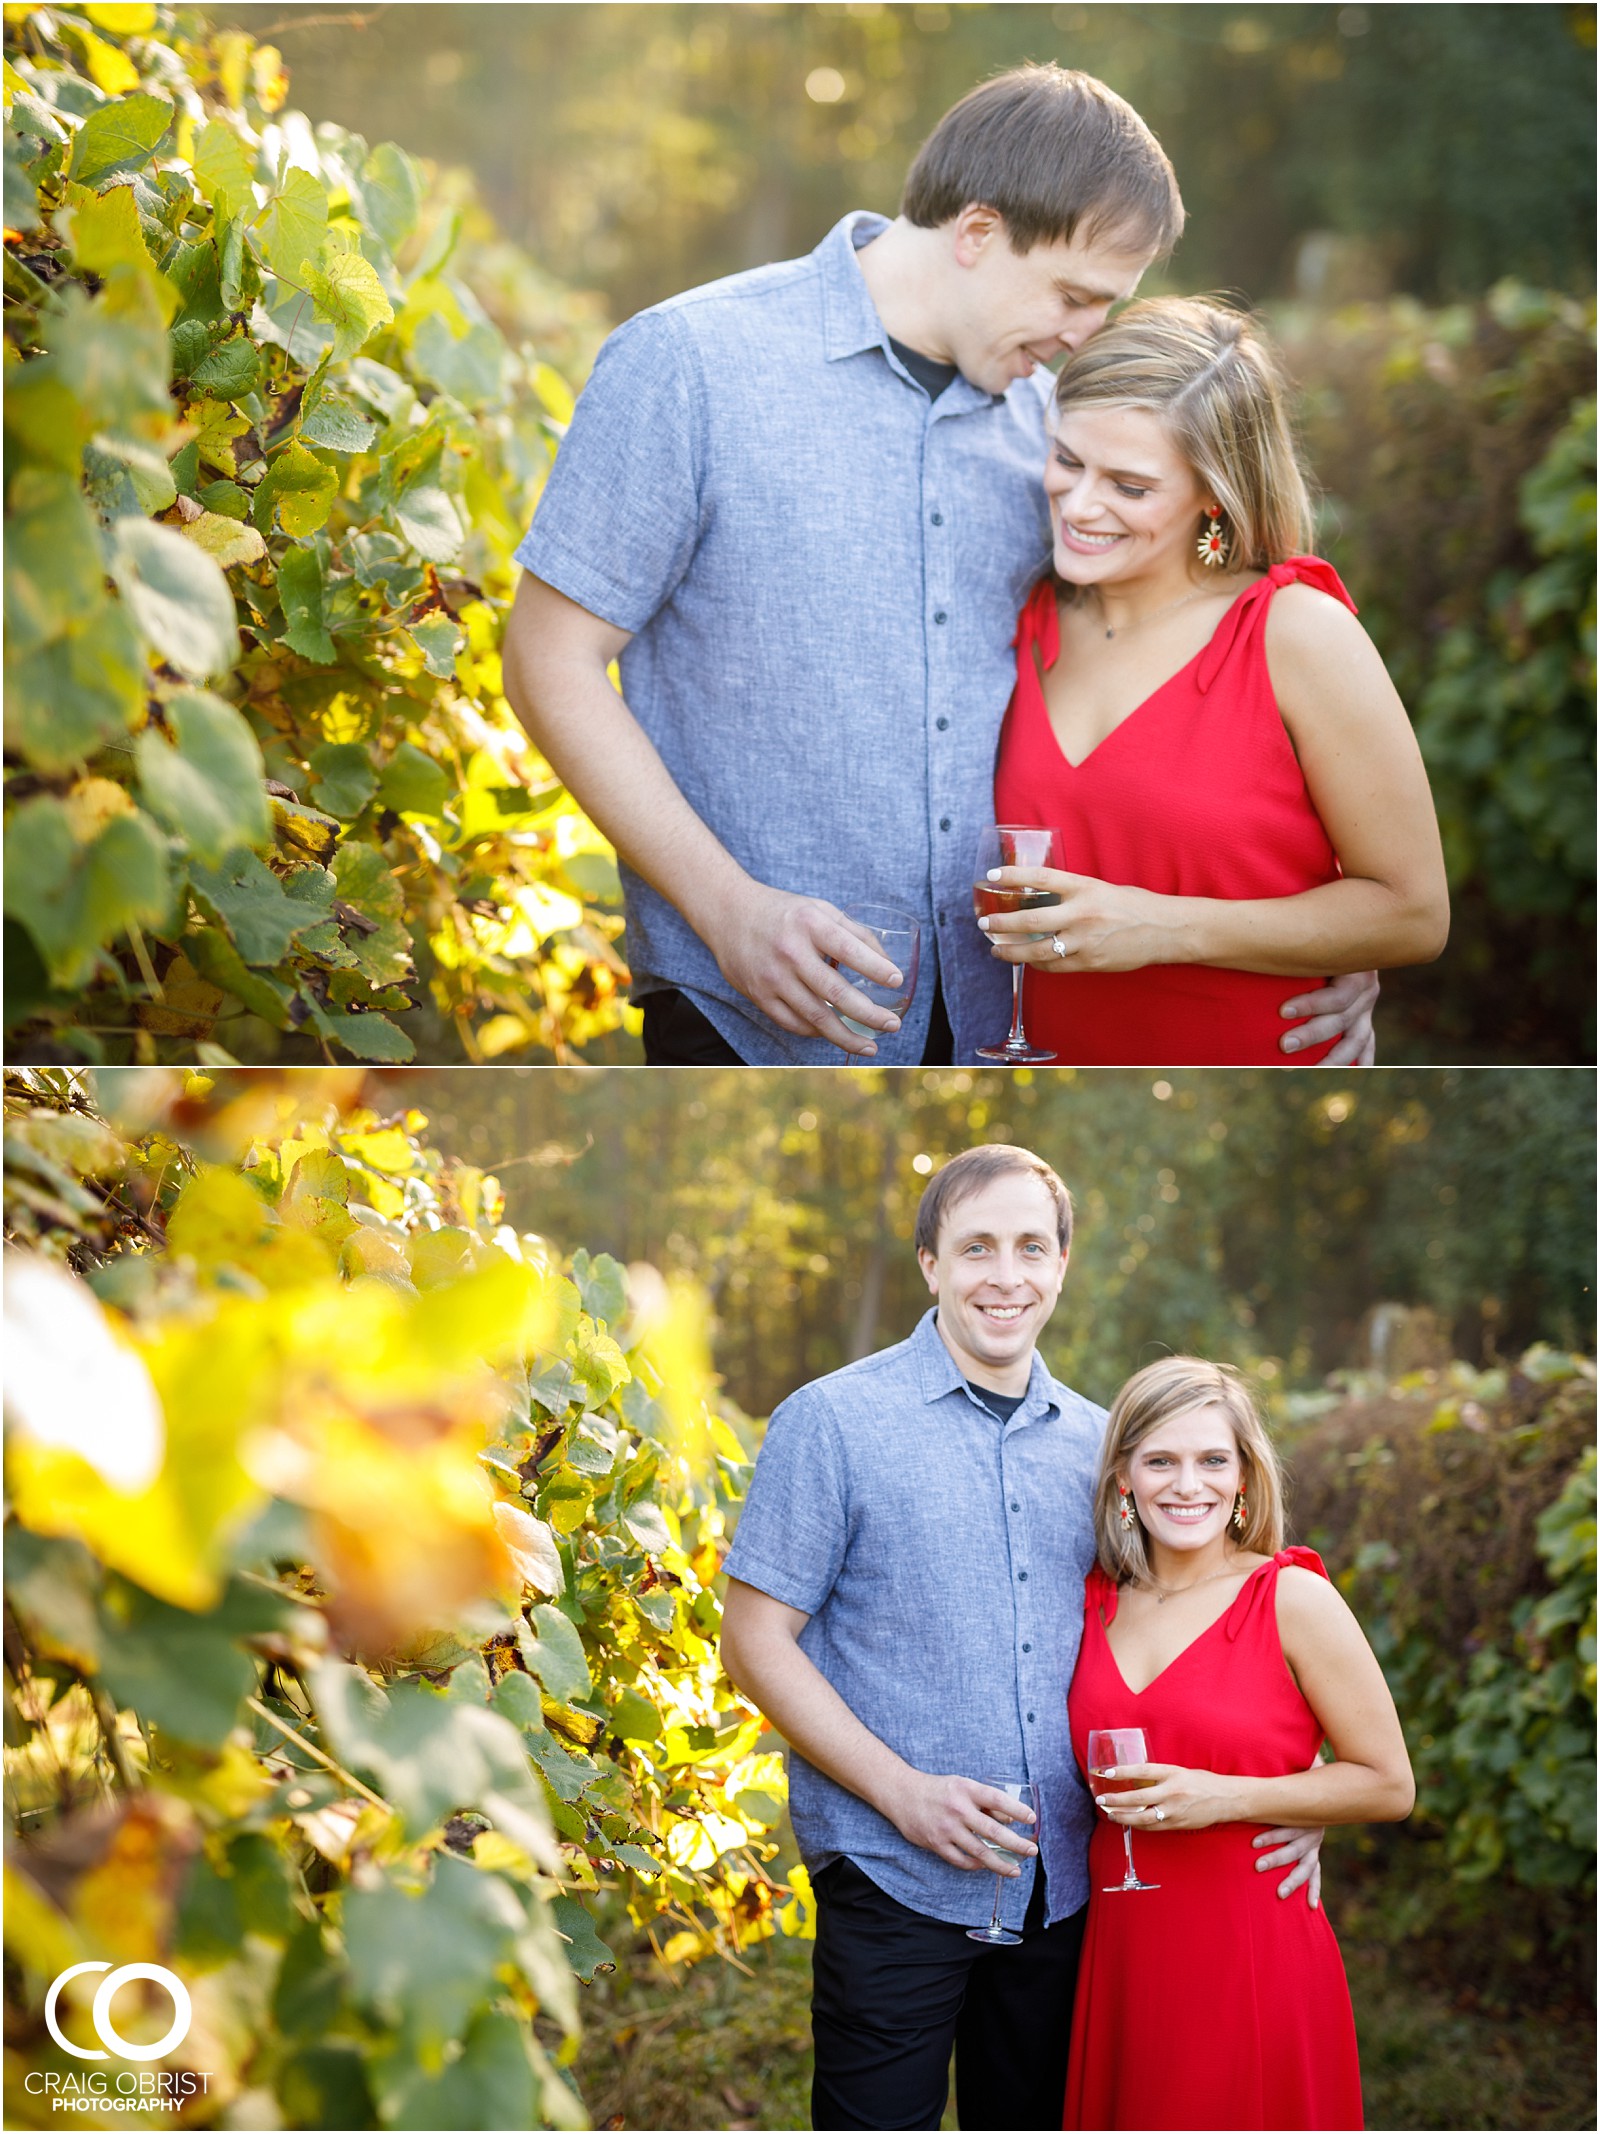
1124 503
1184 1478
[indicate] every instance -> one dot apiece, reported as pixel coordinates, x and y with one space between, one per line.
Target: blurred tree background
1407 189
1252 1214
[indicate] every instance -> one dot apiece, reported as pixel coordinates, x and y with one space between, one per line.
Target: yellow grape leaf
37 1934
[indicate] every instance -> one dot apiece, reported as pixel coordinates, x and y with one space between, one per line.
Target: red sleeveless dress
1198 793
1210 2002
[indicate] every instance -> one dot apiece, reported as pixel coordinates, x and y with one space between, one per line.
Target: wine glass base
1023 1055
997 1937
1114 1889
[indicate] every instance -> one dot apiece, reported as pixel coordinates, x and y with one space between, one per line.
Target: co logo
105 2030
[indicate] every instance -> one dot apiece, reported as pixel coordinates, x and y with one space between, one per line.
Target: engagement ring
1055 943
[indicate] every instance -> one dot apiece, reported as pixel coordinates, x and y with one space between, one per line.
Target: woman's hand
1091 926
1176 1800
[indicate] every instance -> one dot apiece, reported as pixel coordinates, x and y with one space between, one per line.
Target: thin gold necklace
1164 1593
1156 614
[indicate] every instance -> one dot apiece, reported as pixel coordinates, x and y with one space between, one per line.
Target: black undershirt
1002 1406
931 375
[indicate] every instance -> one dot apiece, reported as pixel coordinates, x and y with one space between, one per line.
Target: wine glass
899 936
994 1933
1110 1747
1012 845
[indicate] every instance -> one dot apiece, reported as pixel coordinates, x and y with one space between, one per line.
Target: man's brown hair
970 1172
1058 155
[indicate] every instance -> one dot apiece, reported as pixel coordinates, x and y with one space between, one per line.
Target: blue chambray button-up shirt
822 571
940 1555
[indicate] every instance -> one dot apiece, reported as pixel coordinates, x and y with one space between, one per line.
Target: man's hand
782 953
1342 1009
959 1819
1301 1852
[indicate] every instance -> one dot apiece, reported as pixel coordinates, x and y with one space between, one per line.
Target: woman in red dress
1238 798
1237 1659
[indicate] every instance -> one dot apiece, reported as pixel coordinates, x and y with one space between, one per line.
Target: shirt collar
941 1374
850 318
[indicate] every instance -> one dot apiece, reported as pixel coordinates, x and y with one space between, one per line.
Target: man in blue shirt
802 508
905 1602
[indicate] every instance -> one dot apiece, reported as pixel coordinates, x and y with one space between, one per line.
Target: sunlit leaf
178 597
207 782
349 296
120 136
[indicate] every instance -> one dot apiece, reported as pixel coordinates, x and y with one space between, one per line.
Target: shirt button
939 615
941 722
937 519
1027 1648
1023 1576
1015 1506
1030 1719
944 822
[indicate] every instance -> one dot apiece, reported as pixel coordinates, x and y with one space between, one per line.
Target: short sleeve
620 514
793 1527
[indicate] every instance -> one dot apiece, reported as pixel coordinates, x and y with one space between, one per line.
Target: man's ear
930 1269
976 230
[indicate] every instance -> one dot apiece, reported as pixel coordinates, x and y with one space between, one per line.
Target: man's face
996 1275
1011 311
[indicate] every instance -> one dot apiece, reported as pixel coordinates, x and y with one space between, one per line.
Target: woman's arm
1342 1682
1364 773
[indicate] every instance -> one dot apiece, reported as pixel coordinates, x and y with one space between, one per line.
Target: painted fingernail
1291 1044
983 925
994 874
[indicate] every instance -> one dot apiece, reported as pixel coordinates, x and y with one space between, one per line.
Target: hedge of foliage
1458 1510
360 1621
1457 450
276 410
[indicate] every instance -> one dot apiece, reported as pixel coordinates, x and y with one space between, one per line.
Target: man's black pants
893 1991
678 1034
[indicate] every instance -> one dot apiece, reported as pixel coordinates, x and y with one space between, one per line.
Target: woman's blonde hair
1152 1397
1211 376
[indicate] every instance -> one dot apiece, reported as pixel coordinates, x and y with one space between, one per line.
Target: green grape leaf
552 1650
585 1951
413 784
337 426
602 1284
300 487
231 369
135 478
492 2082
516 1697
120 136
105 232
472 368
346 779
349 295
223 168
294 223
428 520
74 696
206 785
224 540
365 1037
184 1673
424 1963
391 188
247 898
54 567
76 898
178 597
300 594
438 638
227 499
431 1755
218 961
634 1718
52 1585
364 879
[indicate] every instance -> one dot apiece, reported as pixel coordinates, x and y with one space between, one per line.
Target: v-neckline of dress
1183 1651
1041 670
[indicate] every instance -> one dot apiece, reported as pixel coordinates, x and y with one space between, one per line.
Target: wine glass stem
994 1921
1018 1034
1127 1846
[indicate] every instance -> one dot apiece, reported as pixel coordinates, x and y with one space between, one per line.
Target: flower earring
1124 1507
1212 547
1239 1511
